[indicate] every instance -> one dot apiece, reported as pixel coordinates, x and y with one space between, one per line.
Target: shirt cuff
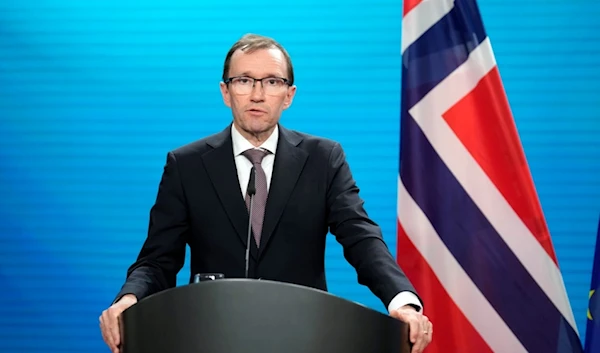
405 298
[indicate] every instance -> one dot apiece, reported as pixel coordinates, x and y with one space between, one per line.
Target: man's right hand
109 322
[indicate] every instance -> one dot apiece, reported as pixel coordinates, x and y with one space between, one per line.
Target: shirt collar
240 144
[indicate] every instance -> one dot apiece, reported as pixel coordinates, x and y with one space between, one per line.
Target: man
201 202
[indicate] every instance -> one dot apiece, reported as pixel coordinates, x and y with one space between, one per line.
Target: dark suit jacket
312 191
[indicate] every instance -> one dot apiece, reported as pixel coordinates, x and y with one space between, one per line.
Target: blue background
94 93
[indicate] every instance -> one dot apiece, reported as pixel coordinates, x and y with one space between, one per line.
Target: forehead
258 63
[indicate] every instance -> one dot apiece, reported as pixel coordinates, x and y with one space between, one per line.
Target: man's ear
226 94
289 98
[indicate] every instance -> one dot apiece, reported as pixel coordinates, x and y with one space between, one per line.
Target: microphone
251 192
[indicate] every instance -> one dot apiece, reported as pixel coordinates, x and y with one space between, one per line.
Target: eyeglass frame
254 80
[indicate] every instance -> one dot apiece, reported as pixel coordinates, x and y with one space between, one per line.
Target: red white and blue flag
472 237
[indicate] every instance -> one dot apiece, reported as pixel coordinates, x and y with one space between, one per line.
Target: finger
424 338
430 334
118 325
113 345
114 329
105 332
419 344
110 328
116 333
104 338
415 330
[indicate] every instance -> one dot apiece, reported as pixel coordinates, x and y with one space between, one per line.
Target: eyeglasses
245 84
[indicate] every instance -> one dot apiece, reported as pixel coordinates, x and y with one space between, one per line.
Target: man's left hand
420 328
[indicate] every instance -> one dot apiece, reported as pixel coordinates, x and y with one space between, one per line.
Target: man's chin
257 127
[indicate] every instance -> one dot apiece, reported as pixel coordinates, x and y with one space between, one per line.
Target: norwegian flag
471 233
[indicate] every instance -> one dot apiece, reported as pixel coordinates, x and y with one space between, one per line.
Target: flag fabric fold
471 232
592 332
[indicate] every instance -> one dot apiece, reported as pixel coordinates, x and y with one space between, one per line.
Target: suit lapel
289 162
220 166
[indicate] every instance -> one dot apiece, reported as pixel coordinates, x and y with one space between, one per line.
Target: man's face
256 110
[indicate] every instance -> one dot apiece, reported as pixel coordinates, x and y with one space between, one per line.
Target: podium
256 316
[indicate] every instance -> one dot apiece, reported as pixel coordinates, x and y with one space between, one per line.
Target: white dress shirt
243 165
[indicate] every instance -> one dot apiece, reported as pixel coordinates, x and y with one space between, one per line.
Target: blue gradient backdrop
94 93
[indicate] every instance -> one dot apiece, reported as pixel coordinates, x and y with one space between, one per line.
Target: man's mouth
256 110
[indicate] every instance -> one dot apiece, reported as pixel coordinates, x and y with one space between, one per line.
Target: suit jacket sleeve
163 253
360 237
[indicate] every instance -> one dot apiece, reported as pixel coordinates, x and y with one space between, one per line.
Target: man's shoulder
312 142
191 148
199 146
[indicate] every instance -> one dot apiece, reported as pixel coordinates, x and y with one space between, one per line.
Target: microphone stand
251 192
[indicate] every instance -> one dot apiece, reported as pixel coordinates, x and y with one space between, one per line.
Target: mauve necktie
260 198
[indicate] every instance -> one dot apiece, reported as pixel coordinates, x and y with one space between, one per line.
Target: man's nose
258 93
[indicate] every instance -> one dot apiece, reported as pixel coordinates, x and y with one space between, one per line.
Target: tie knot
255 155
